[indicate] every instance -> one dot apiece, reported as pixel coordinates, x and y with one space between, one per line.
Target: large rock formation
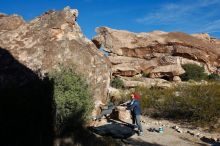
160 54
207 37
54 40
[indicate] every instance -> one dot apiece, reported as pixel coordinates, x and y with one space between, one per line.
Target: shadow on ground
138 142
211 142
115 130
122 132
84 137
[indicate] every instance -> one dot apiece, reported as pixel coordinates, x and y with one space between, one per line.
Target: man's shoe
134 126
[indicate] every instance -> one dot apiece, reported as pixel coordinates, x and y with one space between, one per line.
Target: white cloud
208 2
213 26
191 17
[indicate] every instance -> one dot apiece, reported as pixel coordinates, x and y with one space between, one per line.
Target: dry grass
197 104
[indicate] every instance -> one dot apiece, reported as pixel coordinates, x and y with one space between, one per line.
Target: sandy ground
170 136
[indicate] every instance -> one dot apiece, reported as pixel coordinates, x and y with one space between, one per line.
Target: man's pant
103 113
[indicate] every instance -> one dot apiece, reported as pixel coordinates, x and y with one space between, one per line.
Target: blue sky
189 16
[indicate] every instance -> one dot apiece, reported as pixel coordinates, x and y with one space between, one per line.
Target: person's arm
131 105
104 106
125 103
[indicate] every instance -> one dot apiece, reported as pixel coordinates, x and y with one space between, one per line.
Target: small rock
177 79
179 130
197 134
175 127
214 139
191 132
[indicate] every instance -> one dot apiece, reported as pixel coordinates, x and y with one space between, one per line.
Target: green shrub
117 83
146 75
214 76
194 72
124 96
153 99
72 98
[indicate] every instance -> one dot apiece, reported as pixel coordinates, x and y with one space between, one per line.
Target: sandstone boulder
54 40
130 66
176 79
159 53
145 82
207 37
168 70
123 114
10 22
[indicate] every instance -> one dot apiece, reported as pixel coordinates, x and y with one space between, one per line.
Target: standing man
107 110
135 108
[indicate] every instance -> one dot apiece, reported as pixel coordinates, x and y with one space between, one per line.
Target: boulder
54 40
130 66
167 70
207 37
159 53
176 79
145 82
12 22
123 114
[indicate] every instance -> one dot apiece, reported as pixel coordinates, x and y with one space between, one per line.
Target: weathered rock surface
207 37
10 22
145 82
54 40
158 53
123 114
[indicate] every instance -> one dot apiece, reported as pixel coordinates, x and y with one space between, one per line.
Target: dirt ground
169 137
152 137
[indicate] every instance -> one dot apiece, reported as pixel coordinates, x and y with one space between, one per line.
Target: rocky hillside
49 42
159 54
55 39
